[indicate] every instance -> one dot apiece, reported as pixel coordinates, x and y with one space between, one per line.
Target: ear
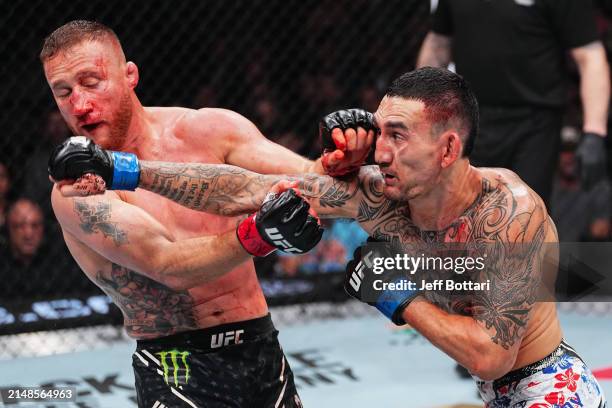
132 74
451 148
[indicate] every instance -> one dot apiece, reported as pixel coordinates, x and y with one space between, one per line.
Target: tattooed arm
483 331
215 188
229 190
128 236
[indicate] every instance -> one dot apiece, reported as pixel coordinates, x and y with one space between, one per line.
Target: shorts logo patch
180 367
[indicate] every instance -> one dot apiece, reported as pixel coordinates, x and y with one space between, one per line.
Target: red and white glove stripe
251 240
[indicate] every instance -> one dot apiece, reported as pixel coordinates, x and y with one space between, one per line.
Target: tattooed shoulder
508 211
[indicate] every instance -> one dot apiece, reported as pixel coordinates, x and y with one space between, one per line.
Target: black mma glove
367 280
283 222
79 155
345 119
591 155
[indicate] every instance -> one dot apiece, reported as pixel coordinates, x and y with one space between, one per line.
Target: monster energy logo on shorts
177 358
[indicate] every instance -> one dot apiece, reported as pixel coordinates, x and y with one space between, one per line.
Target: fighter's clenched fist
78 156
283 222
346 139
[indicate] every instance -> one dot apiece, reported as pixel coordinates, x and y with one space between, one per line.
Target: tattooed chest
486 218
400 230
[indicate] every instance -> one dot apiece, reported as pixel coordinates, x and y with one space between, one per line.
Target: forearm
128 236
182 264
301 165
435 51
460 337
229 190
594 89
215 188
328 196
188 263
314 167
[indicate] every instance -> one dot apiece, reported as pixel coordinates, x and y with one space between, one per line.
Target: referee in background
513 54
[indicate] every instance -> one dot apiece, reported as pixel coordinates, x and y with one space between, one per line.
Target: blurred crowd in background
321 56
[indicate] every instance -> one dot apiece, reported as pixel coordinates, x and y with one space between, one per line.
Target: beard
115 131
122 118
395 195
401 193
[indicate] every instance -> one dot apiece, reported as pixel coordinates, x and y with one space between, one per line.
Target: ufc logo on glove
280 241
357 275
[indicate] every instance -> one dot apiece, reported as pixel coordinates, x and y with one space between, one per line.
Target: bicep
266 157
592 52
118 231
250 149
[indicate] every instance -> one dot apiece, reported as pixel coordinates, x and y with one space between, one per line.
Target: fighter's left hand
346 138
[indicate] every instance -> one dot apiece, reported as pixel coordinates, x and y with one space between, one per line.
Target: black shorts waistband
214 338
529 370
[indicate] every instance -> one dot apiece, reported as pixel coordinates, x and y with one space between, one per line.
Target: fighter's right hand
78 156
346 139
283 222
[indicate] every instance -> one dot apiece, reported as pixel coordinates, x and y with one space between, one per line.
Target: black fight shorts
233 365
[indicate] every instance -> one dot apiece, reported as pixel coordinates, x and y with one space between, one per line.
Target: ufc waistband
214 338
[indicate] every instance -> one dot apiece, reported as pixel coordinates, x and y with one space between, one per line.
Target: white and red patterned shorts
559 380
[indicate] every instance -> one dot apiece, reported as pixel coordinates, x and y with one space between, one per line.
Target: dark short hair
446 96
73 33
11 207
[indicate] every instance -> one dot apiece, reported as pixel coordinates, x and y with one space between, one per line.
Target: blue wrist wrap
389 300
126 171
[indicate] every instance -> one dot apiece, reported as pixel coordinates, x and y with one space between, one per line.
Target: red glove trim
251 240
